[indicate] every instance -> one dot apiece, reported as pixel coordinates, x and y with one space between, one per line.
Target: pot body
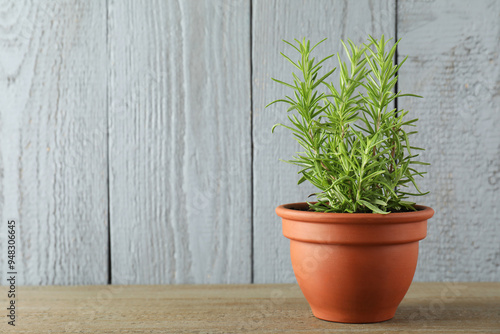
353 268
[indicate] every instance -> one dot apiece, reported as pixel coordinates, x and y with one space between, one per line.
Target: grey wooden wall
135 147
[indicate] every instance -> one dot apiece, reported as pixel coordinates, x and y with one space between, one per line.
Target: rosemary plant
356 148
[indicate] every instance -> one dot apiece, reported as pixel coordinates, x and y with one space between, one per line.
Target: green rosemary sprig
356 149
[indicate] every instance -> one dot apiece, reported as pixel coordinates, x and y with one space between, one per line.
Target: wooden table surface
427 308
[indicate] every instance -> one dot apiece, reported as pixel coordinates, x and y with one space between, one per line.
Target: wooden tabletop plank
277 308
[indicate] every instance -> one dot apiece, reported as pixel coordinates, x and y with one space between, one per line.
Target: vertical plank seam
107 142
251 149
396 54
396 61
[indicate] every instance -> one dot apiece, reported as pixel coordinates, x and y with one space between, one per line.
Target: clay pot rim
286 211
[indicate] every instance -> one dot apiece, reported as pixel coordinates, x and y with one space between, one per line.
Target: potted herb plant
354 251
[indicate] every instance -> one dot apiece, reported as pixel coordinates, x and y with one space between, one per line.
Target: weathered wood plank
53 139
275 182
180 144
279 308
453 48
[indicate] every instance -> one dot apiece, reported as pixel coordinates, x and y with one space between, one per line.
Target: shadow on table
456 313
422 316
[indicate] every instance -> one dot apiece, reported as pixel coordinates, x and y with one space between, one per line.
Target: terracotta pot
353 267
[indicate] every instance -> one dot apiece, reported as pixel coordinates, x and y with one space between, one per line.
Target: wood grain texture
180 147
176 77
53 139
275 182
427 308
454 63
